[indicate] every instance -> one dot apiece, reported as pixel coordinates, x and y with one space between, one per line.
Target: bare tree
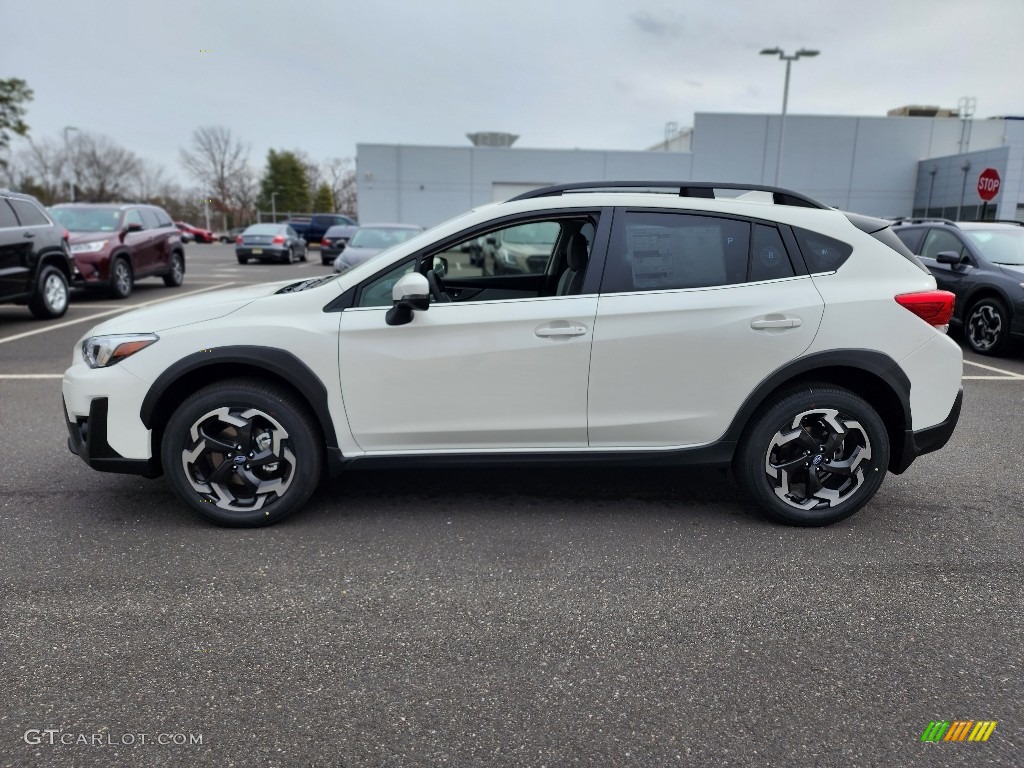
149 182
244 191
105 169
341 177
40 168
217 161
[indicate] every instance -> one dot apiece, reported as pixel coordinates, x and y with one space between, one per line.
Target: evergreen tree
286 175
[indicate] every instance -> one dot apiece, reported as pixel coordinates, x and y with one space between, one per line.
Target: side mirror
948 257
411 293
440 266
133 227
492 240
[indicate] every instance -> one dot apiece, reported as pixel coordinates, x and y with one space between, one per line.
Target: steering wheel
437 287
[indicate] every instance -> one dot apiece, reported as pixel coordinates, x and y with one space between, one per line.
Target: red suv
115 244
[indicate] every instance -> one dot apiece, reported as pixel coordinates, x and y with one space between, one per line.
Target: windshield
541 233
87 219
1003 246
263 229
380 237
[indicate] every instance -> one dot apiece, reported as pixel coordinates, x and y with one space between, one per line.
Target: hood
1013 270
187 310
90 237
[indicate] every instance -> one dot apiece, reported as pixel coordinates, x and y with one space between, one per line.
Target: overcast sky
323 75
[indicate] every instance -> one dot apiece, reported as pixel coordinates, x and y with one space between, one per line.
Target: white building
882 166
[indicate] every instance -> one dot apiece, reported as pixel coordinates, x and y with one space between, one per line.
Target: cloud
648 24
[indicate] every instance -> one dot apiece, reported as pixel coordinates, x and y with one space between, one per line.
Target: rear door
695 311
15 247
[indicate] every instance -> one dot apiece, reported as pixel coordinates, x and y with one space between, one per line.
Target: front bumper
87 439
928 440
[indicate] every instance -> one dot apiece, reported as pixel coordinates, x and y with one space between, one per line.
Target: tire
302 256
274 429
51 295
176 276
794 439
243 260
327 261
987 327
121 279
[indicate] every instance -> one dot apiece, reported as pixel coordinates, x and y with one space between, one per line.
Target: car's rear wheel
121 279
987 327
242 454
51 295
814 455
176 275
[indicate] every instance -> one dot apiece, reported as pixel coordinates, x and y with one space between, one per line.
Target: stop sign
988 184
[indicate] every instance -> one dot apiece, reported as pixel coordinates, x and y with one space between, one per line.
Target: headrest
577 254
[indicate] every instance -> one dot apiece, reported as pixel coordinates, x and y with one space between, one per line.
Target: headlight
93 247
104 351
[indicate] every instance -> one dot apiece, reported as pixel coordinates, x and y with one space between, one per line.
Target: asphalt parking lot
498 617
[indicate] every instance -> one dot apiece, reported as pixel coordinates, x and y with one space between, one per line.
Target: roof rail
685 189
1003 221
922 220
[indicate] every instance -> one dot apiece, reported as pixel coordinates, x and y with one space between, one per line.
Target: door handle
781 322
30 234
560 330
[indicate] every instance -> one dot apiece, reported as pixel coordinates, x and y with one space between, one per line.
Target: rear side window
162 218
891 239
28 214
7 217
911 238
821 252
658 251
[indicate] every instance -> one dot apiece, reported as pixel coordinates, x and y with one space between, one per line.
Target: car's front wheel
51 295
242 454
121 279
987 327
176 275
814 455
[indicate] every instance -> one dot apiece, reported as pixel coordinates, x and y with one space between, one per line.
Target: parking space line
58 326
1008 374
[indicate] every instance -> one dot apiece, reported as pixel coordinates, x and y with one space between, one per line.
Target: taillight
934 307
278 239
238 240
67 235
325 242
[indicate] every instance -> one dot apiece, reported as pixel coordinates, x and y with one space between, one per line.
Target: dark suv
983 264
115 244
35 259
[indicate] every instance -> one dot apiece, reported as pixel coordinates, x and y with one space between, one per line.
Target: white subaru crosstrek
647 322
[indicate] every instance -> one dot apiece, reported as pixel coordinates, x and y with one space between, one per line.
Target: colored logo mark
959 730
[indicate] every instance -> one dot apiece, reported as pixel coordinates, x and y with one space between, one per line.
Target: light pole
74 170
785 95
273 205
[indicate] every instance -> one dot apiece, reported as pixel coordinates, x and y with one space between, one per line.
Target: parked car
270 242
370 239
36 267
313 228
982 263
801 346
231 235
198 234
334 242
517 250
115 244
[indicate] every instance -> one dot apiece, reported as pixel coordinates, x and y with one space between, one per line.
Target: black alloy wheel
987 327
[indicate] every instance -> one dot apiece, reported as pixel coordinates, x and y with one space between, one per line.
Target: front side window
377 293
28 214
134 217
939 241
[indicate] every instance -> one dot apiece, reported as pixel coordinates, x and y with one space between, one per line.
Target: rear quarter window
821 252
28 214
